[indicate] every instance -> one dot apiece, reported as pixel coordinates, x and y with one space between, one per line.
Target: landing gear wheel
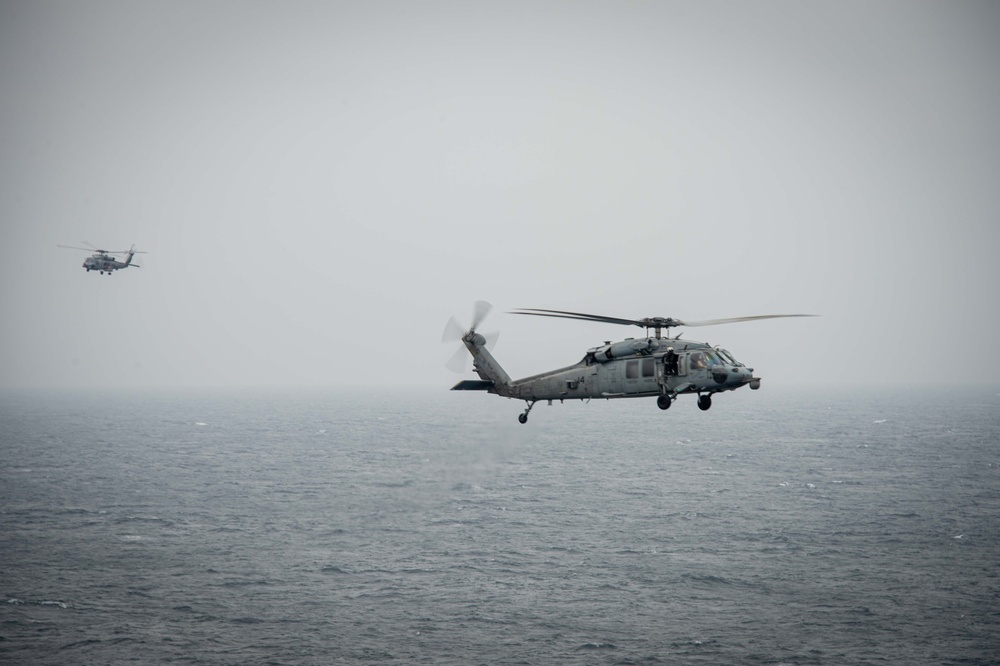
523 418
704 402
663 402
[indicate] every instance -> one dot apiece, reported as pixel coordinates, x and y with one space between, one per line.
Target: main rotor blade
730 320
562 314
73 247
452 331
650 322
479 311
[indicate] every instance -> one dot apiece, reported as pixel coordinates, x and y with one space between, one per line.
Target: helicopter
656 365
103 261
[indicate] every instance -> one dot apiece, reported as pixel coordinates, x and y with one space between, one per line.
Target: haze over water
316 527
320 186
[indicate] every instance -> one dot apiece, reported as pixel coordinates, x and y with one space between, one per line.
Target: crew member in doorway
670 361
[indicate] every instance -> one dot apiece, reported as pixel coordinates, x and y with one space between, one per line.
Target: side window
631 369
697 361
649 367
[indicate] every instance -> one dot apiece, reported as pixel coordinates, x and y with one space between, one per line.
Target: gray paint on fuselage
593 377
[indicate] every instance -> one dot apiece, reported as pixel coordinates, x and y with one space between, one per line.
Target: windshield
727 357
704 359
713 359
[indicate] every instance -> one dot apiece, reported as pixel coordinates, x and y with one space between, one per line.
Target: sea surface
783 526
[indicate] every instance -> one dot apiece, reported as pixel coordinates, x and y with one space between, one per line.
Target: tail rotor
454 332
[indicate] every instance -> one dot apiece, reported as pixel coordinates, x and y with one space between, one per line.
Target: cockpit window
706 359
727 357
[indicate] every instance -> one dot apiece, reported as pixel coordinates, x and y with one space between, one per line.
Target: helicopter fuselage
697 368
102 262
633 368
105 263
637 368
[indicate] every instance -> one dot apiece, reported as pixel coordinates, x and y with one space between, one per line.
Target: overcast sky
321 185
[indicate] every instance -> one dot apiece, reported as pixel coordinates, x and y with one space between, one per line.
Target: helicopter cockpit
705 359
710 359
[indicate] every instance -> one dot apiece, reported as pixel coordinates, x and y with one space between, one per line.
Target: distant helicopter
103 261
653 366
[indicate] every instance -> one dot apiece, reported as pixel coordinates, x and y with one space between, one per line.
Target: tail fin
483 362
487 367
128 259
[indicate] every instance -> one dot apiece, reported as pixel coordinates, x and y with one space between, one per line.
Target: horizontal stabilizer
473 385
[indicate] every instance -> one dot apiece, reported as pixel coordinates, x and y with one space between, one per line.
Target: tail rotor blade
458 361
452 331
479 312
491 339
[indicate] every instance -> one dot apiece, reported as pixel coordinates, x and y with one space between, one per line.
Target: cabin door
611 377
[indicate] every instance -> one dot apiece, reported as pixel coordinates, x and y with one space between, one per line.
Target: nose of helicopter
746 377
741 376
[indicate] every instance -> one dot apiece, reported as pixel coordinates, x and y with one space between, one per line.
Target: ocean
783 526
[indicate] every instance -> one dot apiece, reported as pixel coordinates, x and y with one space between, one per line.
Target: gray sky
322 185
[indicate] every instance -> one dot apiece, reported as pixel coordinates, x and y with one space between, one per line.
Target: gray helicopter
102 260
653 366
